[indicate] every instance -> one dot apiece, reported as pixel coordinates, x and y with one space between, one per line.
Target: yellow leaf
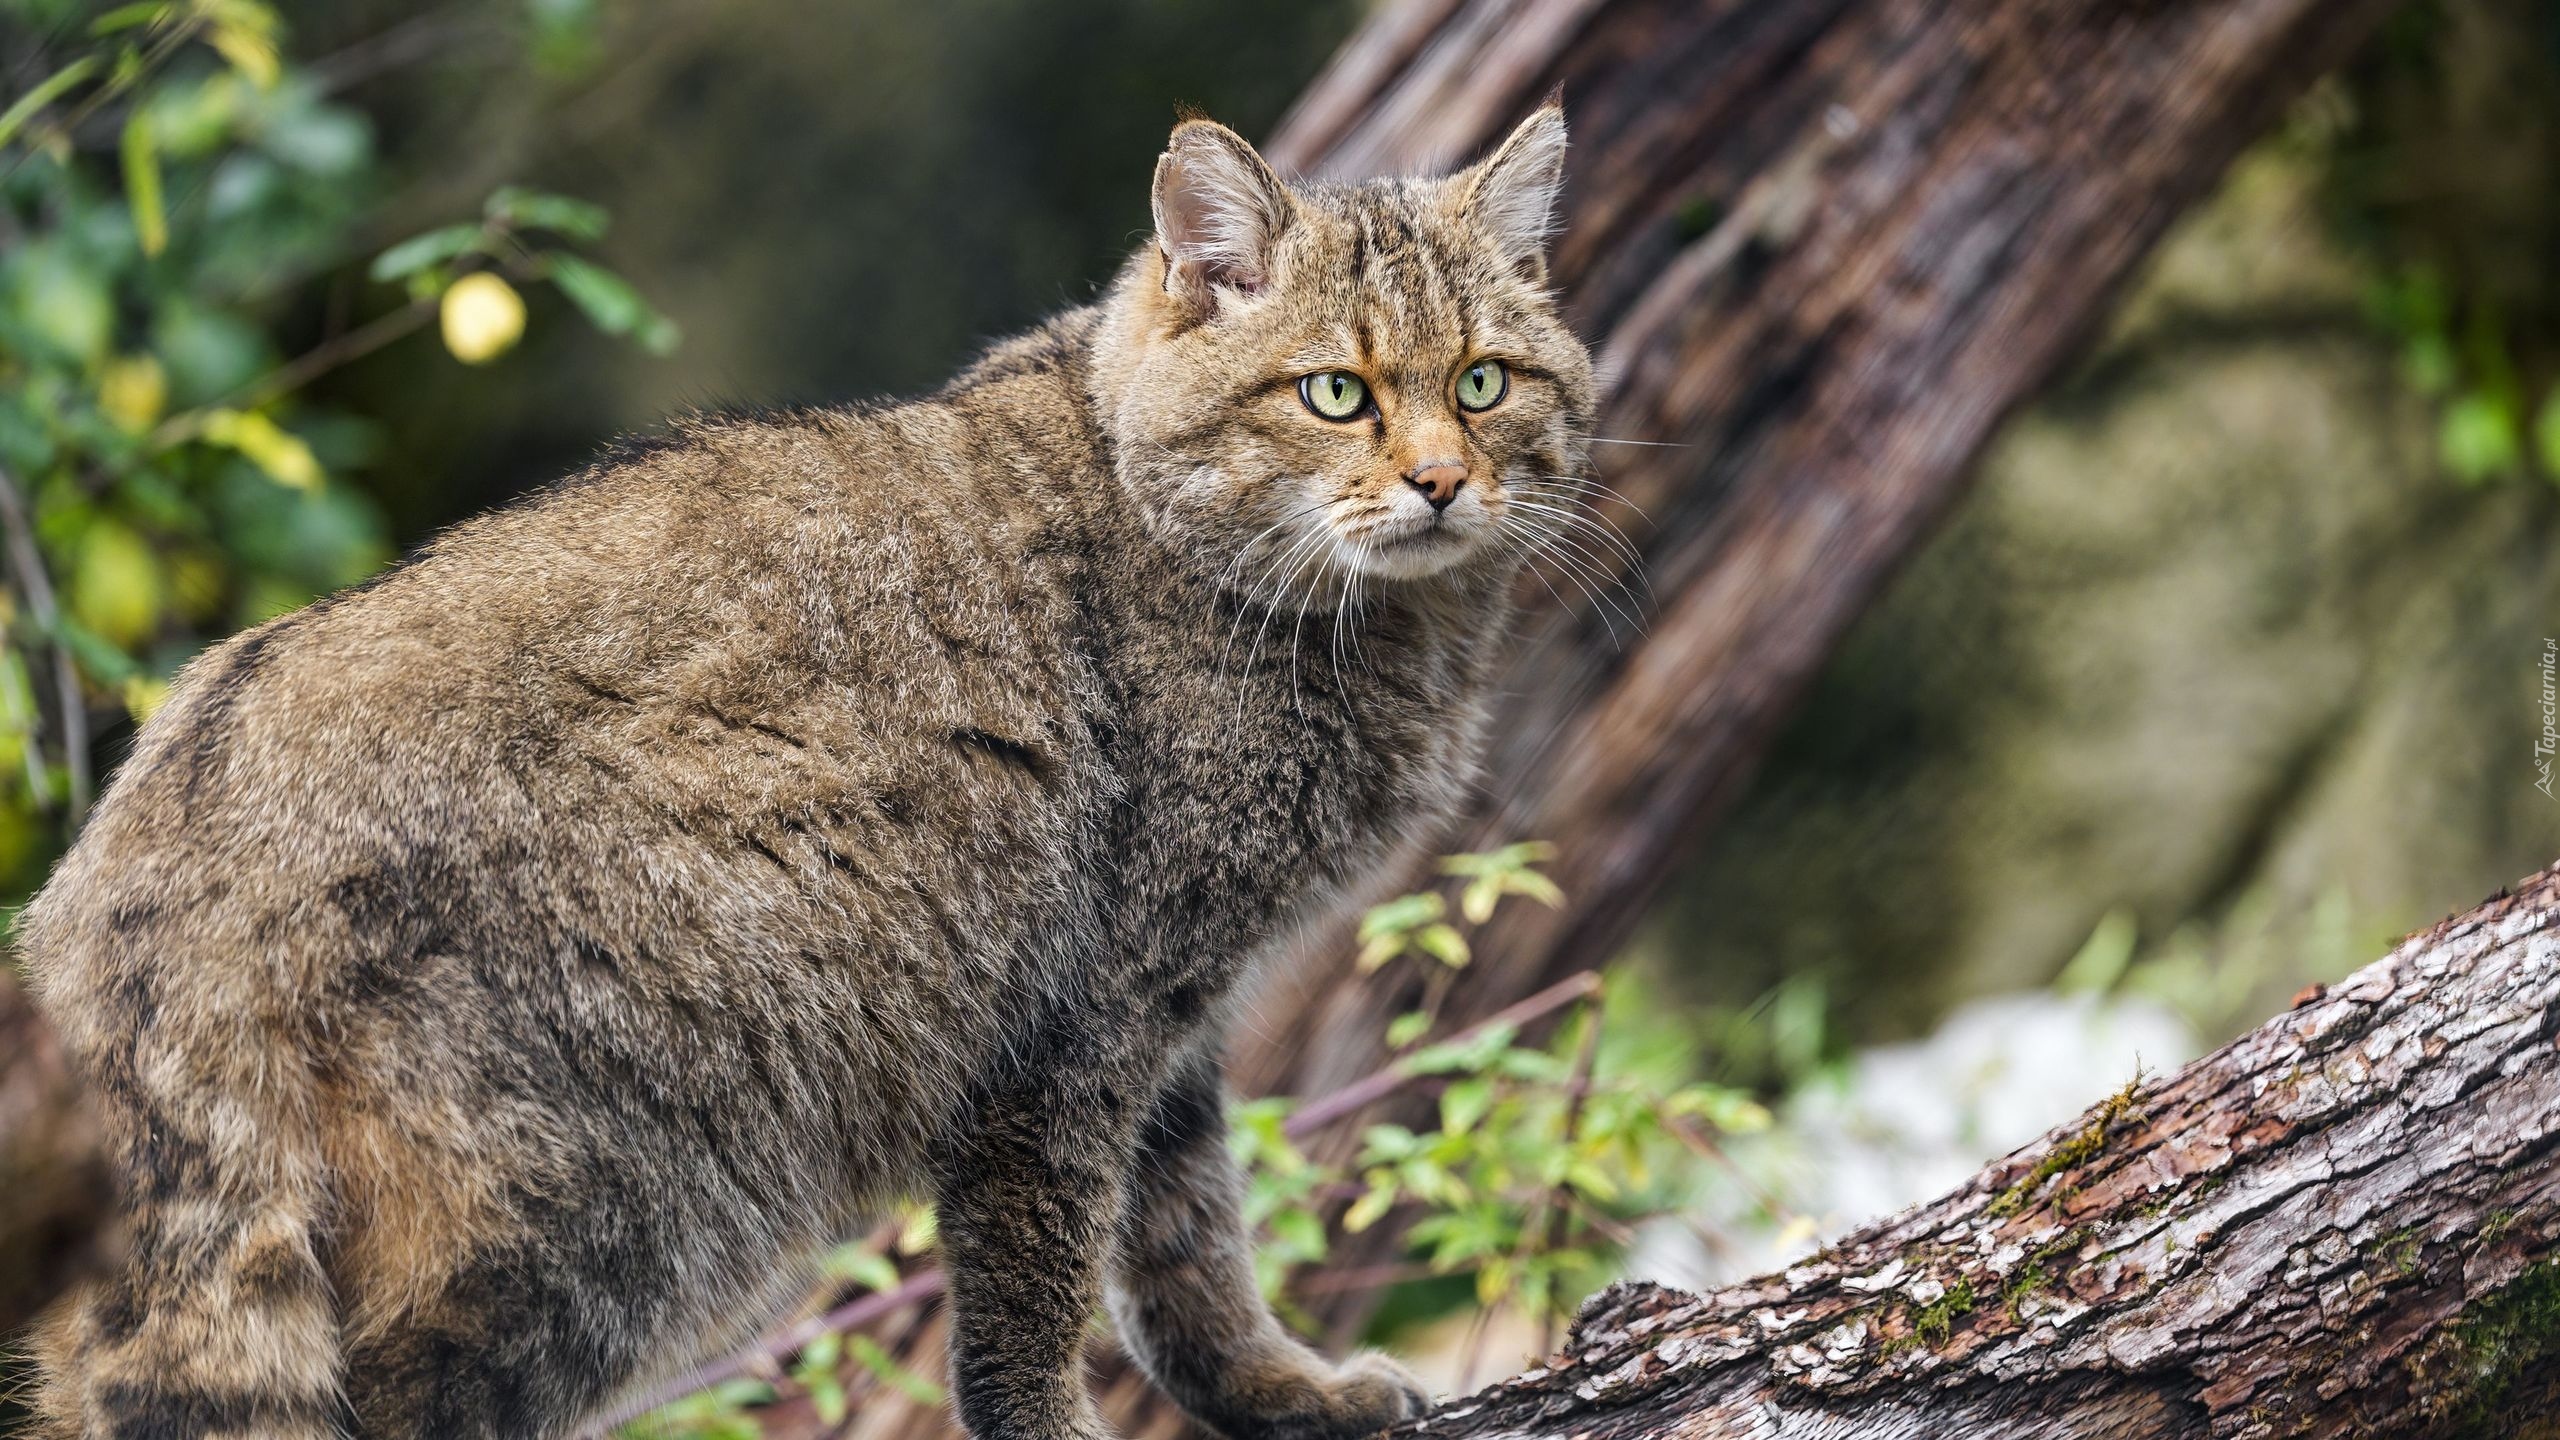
132 391
267 445
1368 1210
251 53
482 317
115 584
142 183
142 695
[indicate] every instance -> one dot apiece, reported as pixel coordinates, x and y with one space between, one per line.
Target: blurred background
2222 675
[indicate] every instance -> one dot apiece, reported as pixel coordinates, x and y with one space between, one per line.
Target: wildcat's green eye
1334 394
1482 385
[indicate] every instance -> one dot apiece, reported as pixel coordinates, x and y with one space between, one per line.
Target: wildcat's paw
1369 1393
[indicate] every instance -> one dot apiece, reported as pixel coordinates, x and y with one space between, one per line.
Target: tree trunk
53 1178
1824 246
2344 1223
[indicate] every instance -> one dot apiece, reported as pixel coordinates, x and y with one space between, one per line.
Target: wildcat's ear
1512 193
1219 211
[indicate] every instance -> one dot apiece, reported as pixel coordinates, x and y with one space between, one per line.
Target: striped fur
502 980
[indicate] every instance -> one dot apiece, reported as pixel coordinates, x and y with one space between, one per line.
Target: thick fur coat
502 980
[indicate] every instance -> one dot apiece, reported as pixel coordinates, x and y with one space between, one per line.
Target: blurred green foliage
2439 144
174 192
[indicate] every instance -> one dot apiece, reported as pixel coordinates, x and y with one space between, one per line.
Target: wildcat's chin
1413 554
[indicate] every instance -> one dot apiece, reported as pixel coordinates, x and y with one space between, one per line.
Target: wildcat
499 981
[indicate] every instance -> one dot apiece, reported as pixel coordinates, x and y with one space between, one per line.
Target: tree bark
2344 1223
1824 247
53 1177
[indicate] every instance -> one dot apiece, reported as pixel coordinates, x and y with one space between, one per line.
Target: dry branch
2342 1224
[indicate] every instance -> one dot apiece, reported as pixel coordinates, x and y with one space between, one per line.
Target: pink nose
1438 481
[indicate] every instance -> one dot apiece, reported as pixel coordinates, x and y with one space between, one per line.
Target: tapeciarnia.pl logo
2549 742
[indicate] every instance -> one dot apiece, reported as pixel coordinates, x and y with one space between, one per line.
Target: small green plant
1542 1157
2489 426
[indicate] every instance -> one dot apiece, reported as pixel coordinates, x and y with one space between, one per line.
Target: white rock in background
1904 1123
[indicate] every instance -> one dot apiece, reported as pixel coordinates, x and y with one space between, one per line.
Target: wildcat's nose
1438 480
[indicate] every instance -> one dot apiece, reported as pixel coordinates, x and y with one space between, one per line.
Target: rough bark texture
1823 246
53 1179
2342 1224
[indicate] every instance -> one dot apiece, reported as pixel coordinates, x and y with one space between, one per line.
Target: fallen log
2346 1223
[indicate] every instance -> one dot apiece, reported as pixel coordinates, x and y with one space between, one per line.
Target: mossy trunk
2345 1223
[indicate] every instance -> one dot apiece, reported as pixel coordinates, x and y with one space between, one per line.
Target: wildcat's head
1314 385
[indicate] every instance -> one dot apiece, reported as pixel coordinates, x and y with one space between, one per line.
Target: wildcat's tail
216 1320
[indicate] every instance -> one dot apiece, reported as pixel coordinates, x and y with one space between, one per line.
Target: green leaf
1591 1180
96 654
2478 437
250 53
1731 1111
1300 1233
2102 958
420 251
142 183
267 445
1407 1028
125 17
905 1381
658 335
1402 914
1465 1103
1536 887
1378 952
47 90
1481 895
826 1397
525 209
1469 1055
611 305
1444 944
920 1233
1389 1142
1369 1209
863 1266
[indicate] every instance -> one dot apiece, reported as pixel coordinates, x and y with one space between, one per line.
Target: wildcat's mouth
1411 551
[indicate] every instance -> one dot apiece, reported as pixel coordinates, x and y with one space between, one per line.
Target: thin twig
1560 1199
28 562
310 365
1697 1141
1361 1094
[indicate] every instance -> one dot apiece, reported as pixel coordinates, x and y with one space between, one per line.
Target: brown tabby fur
502 979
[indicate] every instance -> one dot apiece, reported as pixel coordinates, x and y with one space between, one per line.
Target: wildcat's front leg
1183 1291
1027 1198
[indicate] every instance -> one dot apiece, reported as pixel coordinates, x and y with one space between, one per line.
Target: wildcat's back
577 868
499 981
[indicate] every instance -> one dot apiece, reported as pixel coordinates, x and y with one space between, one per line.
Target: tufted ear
1512 194
1219 210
